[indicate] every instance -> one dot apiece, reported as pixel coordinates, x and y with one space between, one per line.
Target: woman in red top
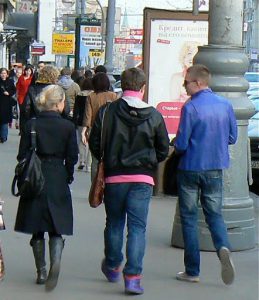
22 87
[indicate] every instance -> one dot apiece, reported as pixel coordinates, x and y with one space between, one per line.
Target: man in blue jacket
207 126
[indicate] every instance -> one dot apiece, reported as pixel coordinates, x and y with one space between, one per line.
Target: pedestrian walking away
7 90
207 128
52 211
85 158
136 140
98 98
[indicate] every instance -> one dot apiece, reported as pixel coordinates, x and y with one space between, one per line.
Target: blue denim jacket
207 126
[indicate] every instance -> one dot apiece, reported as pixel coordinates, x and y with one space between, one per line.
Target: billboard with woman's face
169 49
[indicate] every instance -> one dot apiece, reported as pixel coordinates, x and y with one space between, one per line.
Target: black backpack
28 174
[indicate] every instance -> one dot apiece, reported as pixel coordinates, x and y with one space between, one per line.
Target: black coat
79 109
57 148
6 102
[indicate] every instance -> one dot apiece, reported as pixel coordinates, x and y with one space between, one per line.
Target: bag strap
104 128
33 134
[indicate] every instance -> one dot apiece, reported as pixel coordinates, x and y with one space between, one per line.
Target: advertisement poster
173 44
27 6
63 43
91 46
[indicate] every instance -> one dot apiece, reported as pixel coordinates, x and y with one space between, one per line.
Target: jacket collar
50 113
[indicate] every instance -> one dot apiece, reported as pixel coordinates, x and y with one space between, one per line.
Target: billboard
63 43
89 43
171 41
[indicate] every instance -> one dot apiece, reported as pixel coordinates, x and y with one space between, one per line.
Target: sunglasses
186 82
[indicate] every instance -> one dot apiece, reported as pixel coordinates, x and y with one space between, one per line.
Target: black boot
56 245
38 247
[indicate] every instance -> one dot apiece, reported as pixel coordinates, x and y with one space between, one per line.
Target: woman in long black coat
7 90
52 211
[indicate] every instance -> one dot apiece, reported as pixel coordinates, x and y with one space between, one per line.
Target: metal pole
226 59
83 7
78 7
195 9
109 38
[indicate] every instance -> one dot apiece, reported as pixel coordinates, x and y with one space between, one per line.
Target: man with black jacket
136 140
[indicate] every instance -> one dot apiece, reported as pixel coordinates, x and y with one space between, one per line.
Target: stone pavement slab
81 278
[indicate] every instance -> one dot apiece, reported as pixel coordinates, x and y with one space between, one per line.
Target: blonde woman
52 211
177 90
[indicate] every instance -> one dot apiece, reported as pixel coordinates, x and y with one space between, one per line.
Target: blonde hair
187 48
48 74
49 97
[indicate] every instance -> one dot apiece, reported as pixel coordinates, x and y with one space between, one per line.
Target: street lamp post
109 38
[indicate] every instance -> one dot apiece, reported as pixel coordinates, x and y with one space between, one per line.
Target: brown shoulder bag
96 192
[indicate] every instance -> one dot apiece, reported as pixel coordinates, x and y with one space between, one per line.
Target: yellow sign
96 53
63 43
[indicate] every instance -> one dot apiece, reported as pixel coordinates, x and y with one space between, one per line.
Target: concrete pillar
109 39
227 61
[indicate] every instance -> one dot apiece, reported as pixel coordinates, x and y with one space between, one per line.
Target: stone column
225 57
110 22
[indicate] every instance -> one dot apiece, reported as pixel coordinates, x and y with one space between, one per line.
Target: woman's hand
84 136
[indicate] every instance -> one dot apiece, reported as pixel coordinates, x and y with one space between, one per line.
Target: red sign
136 31
37 50
171 112
163 41
127 41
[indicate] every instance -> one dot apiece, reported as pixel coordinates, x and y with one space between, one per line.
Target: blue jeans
3 132
206 186
123 200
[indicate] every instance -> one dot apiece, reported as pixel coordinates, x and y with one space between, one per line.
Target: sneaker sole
131 292
187 279
227 266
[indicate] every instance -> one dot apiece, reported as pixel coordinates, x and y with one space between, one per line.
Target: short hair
75 75
133 79
100 69
66 71
199 72
4 69
41 62
101 83
88 73
49 97
86 84
48 74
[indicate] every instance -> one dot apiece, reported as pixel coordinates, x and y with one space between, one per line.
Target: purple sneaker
132 285
112 275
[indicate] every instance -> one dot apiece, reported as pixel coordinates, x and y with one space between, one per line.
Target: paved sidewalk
81 278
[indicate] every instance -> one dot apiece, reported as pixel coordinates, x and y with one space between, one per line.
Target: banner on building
63 43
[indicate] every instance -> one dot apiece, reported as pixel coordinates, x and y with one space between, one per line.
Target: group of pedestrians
134 143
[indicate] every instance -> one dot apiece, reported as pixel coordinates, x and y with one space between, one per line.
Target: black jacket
79 109
57 148
136 140
6 102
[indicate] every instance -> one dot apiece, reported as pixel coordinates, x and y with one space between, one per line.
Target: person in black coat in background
7 90
85 159
51 212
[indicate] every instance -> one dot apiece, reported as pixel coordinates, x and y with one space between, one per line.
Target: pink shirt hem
130 178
